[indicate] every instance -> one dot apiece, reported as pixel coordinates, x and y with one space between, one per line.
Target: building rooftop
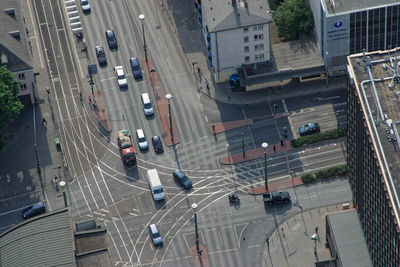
348 236
13 44
346 6
376 78
223 15
45 240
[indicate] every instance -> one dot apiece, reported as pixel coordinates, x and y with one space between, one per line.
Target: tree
10 105
292 18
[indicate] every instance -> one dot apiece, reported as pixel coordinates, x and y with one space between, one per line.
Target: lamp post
141 17
168 97
194 207
227 148
265 145
62 185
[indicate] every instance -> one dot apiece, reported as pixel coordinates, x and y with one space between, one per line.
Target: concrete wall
29 82
316 9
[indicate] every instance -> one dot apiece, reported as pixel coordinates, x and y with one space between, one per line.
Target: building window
246 59
258 27
259 57
23 86
245 29
246 39
21 76
258 37
259 47
246 49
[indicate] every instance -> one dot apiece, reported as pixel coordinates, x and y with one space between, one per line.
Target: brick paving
226 126
200 261
277 186
161 103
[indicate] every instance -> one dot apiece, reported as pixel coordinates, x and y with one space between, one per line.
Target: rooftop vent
10 12
16 35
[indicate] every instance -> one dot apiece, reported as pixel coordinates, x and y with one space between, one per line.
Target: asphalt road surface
104 189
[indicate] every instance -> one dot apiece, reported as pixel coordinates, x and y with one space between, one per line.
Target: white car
122 82
85 5
143 145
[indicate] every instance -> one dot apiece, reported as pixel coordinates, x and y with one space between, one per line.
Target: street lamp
168 97
141 17
265 145
194 207
62 185
227 148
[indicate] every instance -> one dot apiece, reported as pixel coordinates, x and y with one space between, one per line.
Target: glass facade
375 29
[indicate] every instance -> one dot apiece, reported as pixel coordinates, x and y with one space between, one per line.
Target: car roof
156 138
100 49
110 33
140 133
38 205
179 173
153 228
134 61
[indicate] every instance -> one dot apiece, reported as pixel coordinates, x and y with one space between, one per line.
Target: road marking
284 106
327 98
220 239
206 118
254 246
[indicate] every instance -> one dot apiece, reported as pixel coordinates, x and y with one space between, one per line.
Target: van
147 106
155 185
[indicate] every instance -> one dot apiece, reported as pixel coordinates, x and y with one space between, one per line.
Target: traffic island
96 103
276 186
200 258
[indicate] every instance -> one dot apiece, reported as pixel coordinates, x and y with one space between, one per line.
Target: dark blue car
136 70
308 129
34 210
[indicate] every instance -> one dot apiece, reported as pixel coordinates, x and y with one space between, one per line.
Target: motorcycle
234 198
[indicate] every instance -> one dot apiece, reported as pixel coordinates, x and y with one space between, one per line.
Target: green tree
292 18
10 105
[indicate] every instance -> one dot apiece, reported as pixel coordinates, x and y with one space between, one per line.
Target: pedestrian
207 85
267 242
90 100
198 70
275 106
44 122
94 103
274 147
281 142
55 178
316 230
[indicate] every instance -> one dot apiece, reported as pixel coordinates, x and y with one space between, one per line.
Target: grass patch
331 172
318 137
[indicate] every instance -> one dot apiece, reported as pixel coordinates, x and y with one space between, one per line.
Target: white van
147 106
155 185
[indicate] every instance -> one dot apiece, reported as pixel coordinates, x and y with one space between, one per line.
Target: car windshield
136 68
111 37
121 75
142 139
156 235
158 191
85 2
146 106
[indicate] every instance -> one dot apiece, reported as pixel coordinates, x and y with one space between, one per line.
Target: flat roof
221 15
341 6
379 92
350 242
46 240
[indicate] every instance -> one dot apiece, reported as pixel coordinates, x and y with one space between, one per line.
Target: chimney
234 3
4 60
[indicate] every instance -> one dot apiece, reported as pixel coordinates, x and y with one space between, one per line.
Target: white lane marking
284 106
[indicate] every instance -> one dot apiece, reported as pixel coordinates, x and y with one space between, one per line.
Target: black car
34 210
157 144
101 55
276 197
111 39
182 179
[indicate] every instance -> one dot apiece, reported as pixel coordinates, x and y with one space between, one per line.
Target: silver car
155 235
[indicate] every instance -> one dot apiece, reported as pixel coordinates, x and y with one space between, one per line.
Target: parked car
182 179
308 129
34 210
136 70
111 39
155 235
157 144
276 197
141 139
85 5
122 82
101 55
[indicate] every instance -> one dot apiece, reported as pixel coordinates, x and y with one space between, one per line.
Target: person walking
207 85
44 122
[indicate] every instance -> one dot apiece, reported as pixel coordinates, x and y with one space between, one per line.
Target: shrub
307 178
318 137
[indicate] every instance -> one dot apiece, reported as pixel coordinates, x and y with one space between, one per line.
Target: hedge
340 170
318 137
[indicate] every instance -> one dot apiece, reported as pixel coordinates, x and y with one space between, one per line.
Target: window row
256 47
255 28
257 57
255 37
